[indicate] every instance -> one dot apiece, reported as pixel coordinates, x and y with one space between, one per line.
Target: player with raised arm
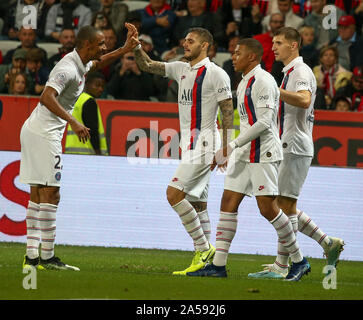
296 118
203 86
253 159
41 136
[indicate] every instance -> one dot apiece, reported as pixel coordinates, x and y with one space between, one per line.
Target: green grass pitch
142 274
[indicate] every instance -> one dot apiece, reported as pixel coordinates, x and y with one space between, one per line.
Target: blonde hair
306 28
12 81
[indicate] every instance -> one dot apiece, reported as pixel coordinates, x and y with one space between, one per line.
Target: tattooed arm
226 107
227 111
146 64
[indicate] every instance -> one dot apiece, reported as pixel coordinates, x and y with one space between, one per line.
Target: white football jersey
67 78
258 89
296 124
201 87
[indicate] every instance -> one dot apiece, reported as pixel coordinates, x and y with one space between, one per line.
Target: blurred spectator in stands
87 112
349 44
265 7
349 6
43 10
133 17
18 84
308 51
1 57
305 7
235 76
4 9
179 7
67 39
342 104
14 18
129 82
174 53
36 70
198 17
100 20
330 76
66 14
322 35
212 52
17 65
116 12
240 19
157 21
228 64
358 15
276 22
291 19
148 46
354 89
111 44
27 38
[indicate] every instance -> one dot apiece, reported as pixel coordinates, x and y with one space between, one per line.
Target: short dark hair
86 33
254 45
204 34
94 75
290 34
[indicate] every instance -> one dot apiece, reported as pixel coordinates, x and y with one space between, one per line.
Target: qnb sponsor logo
263 98
224 89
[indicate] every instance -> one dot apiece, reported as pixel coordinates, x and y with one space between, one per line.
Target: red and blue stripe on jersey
282 104
196 109
250 109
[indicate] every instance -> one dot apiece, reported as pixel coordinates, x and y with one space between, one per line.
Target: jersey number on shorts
57 163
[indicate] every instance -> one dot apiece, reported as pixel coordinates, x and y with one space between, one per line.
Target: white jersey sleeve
174 69
301 82
267 97
222 85
59 77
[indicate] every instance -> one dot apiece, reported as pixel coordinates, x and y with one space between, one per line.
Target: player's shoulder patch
61 78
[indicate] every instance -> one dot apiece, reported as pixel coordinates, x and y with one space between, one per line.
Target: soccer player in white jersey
203 87
254 158
41 136
296 116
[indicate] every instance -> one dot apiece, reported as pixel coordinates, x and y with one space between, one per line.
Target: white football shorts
193 174
293 171
251 179
41 159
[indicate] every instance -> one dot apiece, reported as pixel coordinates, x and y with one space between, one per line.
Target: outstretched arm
146 64
130 43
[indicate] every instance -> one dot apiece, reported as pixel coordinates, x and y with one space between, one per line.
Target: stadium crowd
332 42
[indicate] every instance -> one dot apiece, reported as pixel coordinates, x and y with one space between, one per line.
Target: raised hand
132 37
